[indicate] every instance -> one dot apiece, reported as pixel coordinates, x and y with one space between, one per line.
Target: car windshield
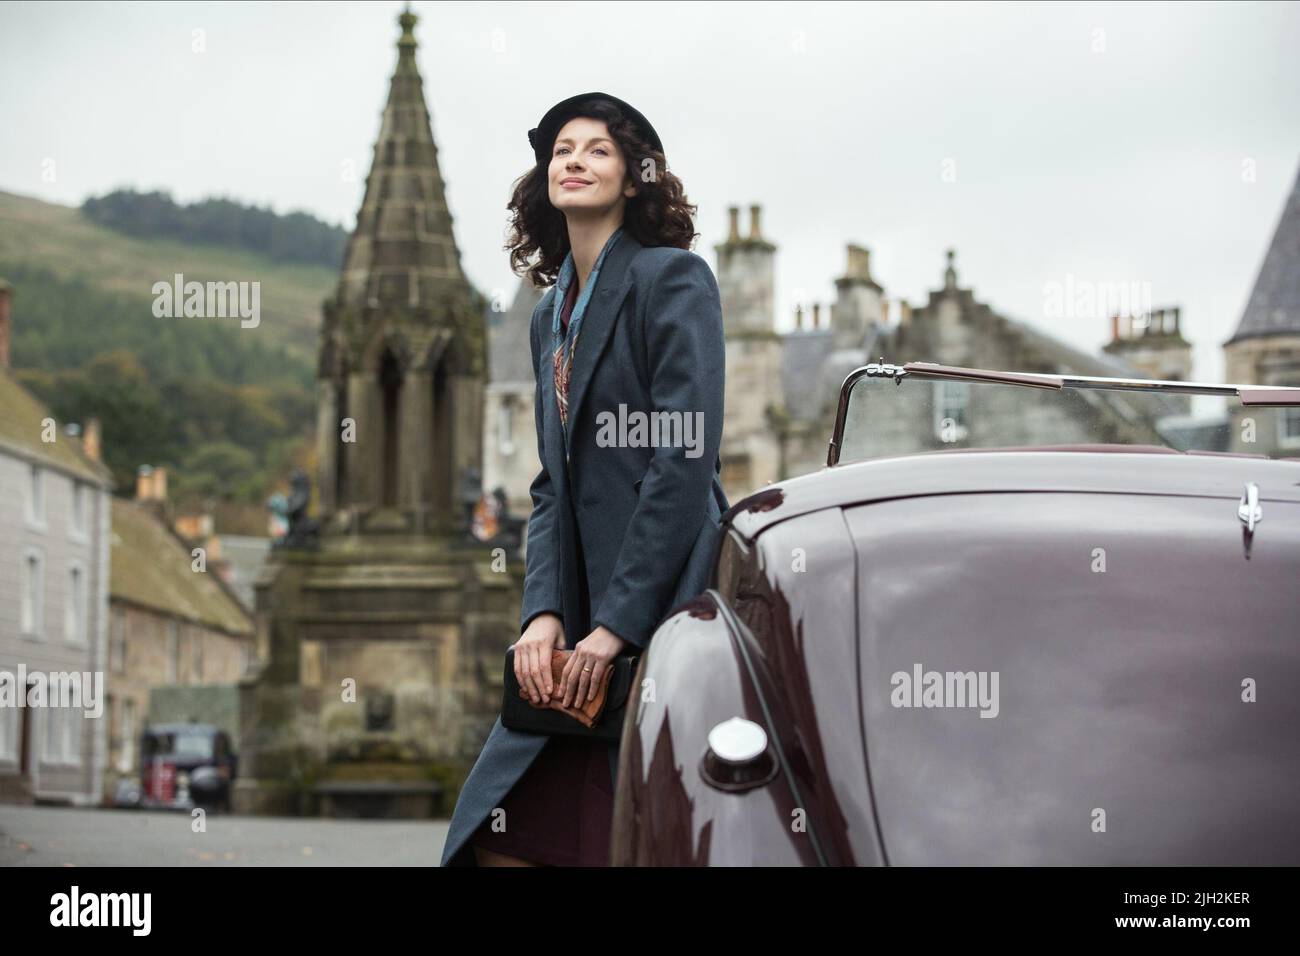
887 410
179 744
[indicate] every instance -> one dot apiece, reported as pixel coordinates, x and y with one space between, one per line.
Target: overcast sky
1055 143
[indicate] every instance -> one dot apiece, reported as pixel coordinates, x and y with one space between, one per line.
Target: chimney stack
817 315
91 440
733 232
859 262
754 231
151 484
798 318
6 322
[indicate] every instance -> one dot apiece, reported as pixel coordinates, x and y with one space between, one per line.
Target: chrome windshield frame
1252 395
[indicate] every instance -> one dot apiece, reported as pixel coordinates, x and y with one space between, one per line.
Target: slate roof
246 555
151 567
802 359
1066 358
1274 304
21 415
813 370
510 359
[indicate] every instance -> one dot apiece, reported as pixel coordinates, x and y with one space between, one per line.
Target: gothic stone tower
402 348
1265 348
383 649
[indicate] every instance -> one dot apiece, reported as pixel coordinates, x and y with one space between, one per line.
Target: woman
625 523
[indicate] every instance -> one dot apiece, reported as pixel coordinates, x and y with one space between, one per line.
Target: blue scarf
563 342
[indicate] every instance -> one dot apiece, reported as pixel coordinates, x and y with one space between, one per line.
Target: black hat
542 136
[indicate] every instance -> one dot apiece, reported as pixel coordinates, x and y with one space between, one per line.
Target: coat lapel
613 285
553 434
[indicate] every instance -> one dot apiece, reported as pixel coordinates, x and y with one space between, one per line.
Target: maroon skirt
559 813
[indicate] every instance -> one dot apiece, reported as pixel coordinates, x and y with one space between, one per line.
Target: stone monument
382 632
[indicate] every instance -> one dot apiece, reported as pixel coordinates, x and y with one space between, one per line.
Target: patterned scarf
565 339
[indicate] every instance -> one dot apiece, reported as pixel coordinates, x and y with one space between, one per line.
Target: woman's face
587 173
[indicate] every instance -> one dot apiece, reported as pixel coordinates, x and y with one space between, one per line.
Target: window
36 497
32 616
505 426
8 734
78 510
187 743
72 721
1289 427
74 609
173 651
50 753
117 642
126 757
951 405
62 743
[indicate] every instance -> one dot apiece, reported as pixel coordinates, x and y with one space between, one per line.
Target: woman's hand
533 656
587 664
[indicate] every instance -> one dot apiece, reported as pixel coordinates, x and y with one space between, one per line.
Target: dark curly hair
658 215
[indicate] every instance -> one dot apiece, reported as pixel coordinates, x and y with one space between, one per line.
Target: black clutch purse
600 719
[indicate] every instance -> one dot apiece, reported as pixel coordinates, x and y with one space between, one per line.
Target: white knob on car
737 741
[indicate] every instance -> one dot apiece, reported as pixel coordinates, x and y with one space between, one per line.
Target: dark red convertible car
1018 619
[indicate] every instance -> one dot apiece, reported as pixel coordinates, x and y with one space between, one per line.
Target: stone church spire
403 352
1274 305
403 250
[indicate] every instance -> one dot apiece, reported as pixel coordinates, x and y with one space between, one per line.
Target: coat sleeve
541 563
686 355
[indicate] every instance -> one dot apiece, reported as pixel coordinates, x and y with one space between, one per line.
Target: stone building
235 558
782 387
1265 348
510 459
954 328
1153 344
383 648
54 531
173 621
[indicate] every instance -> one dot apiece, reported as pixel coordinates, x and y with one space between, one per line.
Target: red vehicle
183 766
981 648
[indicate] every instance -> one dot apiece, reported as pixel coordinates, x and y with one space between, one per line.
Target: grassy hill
228 409
38 235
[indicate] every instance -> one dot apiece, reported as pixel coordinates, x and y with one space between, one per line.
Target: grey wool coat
649 517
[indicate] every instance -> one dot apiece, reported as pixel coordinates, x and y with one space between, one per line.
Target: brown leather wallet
590 710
